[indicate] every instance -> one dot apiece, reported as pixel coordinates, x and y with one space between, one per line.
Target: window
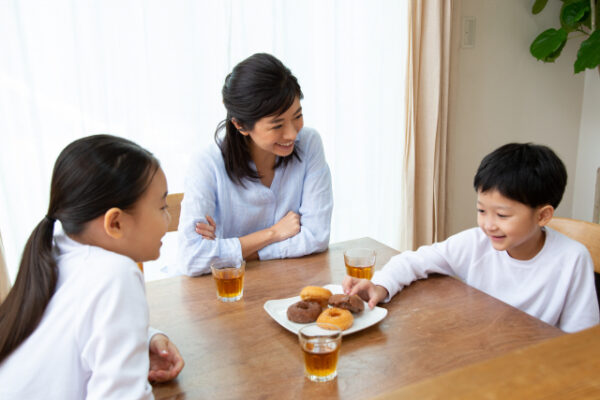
152 72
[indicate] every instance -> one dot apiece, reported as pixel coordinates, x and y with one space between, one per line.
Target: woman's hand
287 226
165 361
365 289
207 230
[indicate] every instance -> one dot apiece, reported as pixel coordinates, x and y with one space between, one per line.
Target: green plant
577 18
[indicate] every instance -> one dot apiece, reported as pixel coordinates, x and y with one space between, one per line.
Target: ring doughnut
341 318
316 293
303 312
351 303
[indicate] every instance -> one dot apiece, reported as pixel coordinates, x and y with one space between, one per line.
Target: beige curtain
4 281
428 73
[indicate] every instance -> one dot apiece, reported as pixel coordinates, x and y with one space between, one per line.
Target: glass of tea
320 344
360 262
229 278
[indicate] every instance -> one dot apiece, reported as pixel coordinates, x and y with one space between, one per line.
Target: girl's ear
113 220
545 214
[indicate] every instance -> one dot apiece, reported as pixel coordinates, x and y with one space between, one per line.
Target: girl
75 324
264 190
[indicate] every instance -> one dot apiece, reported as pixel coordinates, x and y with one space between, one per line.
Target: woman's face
275 134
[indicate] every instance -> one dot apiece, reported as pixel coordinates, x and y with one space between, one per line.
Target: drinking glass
321 349
360 262
228 274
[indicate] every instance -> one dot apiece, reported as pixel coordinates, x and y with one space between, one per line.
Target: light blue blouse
303 187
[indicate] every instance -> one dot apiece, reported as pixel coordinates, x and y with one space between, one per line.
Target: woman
263 191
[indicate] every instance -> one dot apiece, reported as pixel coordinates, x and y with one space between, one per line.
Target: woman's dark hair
528 173
90 176
258 87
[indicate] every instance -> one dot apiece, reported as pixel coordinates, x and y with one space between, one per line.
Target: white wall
588 154
499 93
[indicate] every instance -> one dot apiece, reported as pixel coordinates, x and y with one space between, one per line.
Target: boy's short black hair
528 173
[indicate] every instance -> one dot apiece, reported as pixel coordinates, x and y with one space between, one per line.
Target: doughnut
303 312
316 293
343 319
351 303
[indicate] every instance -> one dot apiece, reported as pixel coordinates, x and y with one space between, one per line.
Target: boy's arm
581 305
449 257
407 267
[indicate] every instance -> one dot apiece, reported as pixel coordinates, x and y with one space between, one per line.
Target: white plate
277 309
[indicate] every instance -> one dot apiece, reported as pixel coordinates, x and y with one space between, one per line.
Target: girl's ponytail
22 310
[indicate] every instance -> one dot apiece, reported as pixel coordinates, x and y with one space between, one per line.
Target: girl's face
275 135
150 220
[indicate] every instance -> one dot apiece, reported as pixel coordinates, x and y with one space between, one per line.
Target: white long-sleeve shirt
556 286
303 187
92 341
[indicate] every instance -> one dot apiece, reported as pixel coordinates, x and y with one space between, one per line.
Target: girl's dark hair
258 87
91 175
528 173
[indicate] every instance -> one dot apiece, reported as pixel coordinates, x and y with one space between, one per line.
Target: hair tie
49 218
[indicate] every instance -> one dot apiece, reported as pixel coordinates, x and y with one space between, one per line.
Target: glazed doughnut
316 293
303 312
351 303
343 319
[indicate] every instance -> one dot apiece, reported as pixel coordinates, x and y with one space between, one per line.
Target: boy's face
511 225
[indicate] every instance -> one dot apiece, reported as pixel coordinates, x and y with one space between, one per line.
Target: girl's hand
165 361
365 289
207 230
287 226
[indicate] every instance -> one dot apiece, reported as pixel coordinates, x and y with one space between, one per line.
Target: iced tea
360 272
230 287
321 349
229 279
360 262
320 357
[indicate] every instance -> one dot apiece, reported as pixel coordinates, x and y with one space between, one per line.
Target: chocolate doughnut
304 311
351 303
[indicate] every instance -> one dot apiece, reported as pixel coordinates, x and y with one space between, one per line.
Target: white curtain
152 71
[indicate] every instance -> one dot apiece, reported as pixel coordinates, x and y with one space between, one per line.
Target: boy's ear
545 214
113 223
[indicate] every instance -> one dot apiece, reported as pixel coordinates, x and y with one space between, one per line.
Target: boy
512 256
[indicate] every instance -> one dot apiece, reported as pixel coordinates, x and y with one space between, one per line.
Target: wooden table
235 350
563 368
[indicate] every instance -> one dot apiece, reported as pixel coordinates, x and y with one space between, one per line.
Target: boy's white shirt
92 341
556 286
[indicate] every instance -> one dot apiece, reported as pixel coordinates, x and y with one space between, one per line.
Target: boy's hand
365 289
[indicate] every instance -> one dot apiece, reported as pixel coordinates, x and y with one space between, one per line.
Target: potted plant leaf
577 18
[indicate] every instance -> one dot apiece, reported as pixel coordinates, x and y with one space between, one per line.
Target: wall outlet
468 32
